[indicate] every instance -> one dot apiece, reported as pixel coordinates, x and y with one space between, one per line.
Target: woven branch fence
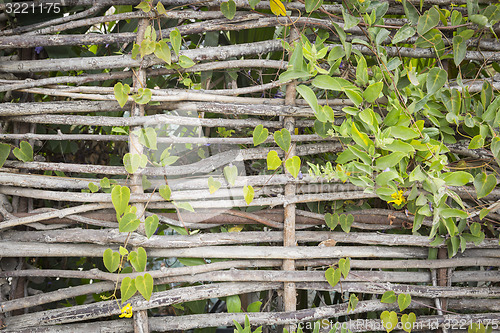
57 74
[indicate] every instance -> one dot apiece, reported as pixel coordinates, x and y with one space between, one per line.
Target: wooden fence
55 230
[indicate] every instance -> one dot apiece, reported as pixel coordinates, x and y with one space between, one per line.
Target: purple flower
300 175
386 169
38 49
207 144
279 94
430 207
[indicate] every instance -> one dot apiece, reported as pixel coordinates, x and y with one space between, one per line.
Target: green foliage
389 320
283 139
127 288
273 160
4 153
248 194
228 9
24 153
293 166
259 135
144 285
231 173
213 185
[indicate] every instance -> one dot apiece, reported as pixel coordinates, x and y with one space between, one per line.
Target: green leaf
331 220
349 20
132 162
121 93
483 213
404 133
427 21
353 301
283 139
410 12
361 71
403 34
480 20
147 137
346 222
332 275
151 224
138 259
373 91
476 142
337 52
388 297
143 96
361 138
175 40
248 194
123 251
127 288
144 285
293 166
408 321
389 320
260 134
213 185
331 83
390 160
128 223
228 9
253 3
111 260
105 183
354 96
459 49
166 159
233 304
185 61
312 5
135 51
436 79
475 229
457 178
309 96
254 307
322 128
4 153
144 6
184 205
147 47
231 173
24 153
273 160
404 301
120 196
93 187
484 184
345 266
162 50
165 192
160 8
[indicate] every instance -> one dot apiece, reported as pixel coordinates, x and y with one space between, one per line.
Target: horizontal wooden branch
211 239
108 308
206 165
22 249
119 75
122 61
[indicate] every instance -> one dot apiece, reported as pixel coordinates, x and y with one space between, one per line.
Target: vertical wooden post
141 324
289 289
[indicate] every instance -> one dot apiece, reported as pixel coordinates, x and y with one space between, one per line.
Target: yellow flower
126 311
398 198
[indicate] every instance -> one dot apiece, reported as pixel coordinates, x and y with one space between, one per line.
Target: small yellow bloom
126 311
398 198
